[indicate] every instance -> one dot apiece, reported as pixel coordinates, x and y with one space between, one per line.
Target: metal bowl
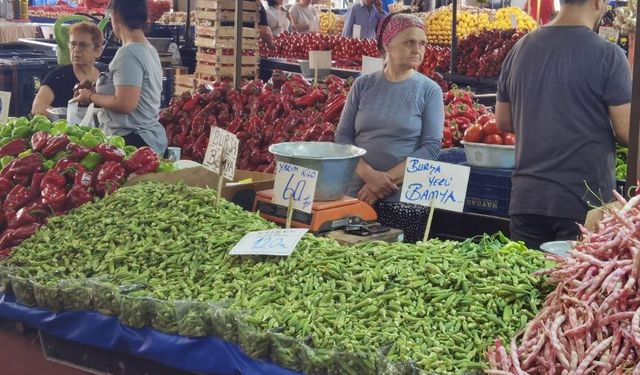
57 113
559 248
335 163
161 44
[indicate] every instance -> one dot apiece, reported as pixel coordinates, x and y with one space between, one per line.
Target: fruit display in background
176 18
331 24
156 8
436 58
482 54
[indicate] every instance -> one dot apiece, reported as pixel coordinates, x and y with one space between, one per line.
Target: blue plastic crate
489 191
455 155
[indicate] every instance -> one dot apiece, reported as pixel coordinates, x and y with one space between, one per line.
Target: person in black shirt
265 31
85 45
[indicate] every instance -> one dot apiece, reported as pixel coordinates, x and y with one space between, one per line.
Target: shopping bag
77 114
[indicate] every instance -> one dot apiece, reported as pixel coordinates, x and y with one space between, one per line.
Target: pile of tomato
486 130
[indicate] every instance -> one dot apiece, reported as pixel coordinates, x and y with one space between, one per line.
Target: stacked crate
183 83
216 39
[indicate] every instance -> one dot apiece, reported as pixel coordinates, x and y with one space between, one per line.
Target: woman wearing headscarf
394 114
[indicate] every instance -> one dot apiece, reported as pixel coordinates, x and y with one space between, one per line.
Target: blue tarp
205 355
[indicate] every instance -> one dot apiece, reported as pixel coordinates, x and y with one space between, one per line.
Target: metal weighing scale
347 213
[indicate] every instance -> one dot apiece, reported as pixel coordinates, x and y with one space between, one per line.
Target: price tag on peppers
357 31
5 100
278 242
319 60
297 183
222 152
428 182
371 64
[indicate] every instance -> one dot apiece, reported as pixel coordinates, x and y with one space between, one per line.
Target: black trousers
534 230
133 139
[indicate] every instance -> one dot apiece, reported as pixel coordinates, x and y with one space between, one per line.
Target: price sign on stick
319 60
357 31
5 102
278 242
436 185
514 21
294 184
371 64
222 153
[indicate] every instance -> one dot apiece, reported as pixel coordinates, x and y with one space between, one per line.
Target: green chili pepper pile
156 254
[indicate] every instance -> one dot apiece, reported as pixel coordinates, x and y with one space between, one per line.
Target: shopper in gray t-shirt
566 93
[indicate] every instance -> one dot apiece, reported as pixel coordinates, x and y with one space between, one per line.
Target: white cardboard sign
371 64
357 31
222 150
319 60
278 242
297 182
429 182
5 102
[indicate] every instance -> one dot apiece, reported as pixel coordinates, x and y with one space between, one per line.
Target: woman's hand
380 184
83 96
367 196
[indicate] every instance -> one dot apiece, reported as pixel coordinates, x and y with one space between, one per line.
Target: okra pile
157 254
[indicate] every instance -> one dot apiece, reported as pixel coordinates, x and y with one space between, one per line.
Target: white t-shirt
305 15
278 20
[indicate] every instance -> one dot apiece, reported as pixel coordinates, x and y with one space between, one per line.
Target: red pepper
143 161
39 140
83 178
63 164
20 219
18 235
78 196
22 179
292 120
310 99
55 145
54 196
53 177
17 198
27 165
189 105
334 80
36 181
77 152
14 148
109 152
5 186
110 177
333 110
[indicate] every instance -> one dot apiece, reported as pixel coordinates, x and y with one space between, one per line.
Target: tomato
491 127
492 139
473 134
509 139
485 118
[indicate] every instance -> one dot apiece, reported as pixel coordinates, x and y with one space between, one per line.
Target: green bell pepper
21 132
59 127
5 131
47 164
75 131
99 134
73 139
20 122
42 127
59 155
39 118
5 160
91 161
117 141
24 154
165 166
89 141
86 128
129 150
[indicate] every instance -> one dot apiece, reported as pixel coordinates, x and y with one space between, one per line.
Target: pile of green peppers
157 255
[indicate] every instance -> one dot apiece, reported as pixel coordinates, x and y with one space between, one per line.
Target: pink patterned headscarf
397 24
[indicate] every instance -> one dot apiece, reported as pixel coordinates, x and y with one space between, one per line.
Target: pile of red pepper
49 169
461 111
345 52
436 59
260 115
482 54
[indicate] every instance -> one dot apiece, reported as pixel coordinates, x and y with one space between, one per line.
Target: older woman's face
407 48
83 51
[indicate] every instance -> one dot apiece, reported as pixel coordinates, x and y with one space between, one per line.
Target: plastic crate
455 155
489 191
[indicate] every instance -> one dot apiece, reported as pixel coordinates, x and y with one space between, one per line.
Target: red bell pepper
110 176
55 145
77 152
39 140
143 161
27 165
36 181
63 164
15 147
53 177
20 234
109 152
83 178
17 198
78 196
5 186
54 196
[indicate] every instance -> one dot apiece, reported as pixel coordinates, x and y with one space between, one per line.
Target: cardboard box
595 216
242 195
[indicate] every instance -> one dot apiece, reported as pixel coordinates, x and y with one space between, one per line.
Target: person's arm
617 93
350 19
124 101
503 116
346 130
266 35
620 118
43 100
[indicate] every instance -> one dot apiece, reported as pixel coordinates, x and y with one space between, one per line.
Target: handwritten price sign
278 242
295 182
222 151
427 181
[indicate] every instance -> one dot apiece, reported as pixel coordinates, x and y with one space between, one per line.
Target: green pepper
39 118
118 141
47 164
129 150
5 140
86 128
5 131
99 134
89 141
5 160
91 161
76 131
42 127
21 122
73 139
25 153
165 166
21 132
59 155
59 127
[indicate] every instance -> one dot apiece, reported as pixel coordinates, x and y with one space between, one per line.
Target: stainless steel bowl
559 248
336 164
161 44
